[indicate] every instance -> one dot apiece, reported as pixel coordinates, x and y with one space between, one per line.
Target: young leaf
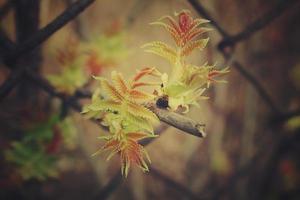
189 48
161 49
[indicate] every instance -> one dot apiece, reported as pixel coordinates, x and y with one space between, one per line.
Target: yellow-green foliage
120 104
33 157
80 60
110 48
187 82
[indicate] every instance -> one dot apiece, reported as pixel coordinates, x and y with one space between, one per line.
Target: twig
5 43
44 33
47 87
10 83
258 24
178 121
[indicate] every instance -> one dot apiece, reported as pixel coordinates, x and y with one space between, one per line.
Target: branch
258 24
43 34
72 101
178 121
5 43
9 83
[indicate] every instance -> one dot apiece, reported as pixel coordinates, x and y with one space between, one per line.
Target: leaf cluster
33 157
80 60
187 82
120 106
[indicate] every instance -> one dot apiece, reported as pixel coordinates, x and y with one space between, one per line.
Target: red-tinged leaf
111 91
125 165
185 21
146 71
216 73
53 146
136 136
170 30
173 24
195 33
141 84
70 52
132 153
110 144
94 65
140 96
119 83
198 44
194 25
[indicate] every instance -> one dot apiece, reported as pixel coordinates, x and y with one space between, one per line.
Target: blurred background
252 122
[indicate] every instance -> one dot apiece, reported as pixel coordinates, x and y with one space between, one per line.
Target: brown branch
43 34
12 80
72 101
10 83
178 121
258 24
5 43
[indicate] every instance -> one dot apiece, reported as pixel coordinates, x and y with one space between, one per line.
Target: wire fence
10 52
